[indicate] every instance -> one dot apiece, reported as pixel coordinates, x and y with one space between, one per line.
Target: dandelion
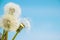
10 23
10 19
12 9
24 23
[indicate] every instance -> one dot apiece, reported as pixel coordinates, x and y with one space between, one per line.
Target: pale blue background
44 16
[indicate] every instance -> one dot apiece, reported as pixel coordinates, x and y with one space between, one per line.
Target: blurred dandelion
26 22
12 9
10 19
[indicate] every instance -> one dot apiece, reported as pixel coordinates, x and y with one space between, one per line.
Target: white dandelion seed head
12 7
26 22
12 21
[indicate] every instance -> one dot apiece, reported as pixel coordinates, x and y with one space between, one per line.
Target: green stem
5 35
15 35
17 31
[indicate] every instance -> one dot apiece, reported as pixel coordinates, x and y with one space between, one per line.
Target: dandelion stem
17 31
15 35
5 35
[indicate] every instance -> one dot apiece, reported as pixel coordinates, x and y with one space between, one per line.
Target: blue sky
44 16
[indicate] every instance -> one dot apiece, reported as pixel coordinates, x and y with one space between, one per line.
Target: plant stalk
18 30
5 35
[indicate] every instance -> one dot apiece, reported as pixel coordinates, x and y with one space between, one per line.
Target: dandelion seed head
12 8
10 23
26 22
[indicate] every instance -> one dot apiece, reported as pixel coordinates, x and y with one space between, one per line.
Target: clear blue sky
45 19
